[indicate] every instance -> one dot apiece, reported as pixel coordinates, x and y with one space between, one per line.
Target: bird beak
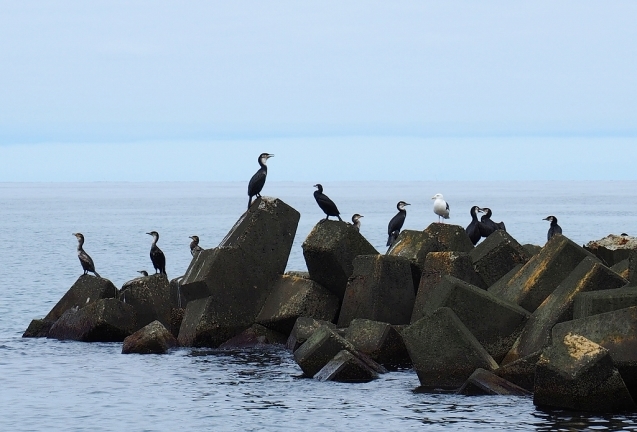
362 216
191 237
480 210
315 186
149 233
433 197
545 218
407 204
270 155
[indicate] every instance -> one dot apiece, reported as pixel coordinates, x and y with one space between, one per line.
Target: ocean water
54 385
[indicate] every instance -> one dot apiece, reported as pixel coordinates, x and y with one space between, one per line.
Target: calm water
53 385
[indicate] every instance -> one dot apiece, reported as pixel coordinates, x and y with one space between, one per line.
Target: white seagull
441 207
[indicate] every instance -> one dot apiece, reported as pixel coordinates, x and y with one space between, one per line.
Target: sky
337 90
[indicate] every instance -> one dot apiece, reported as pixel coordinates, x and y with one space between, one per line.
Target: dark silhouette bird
85 259
488 226
356 221
156 255
194 245
396 223
258 179
473 229
143 272
554 229
441 207
326 204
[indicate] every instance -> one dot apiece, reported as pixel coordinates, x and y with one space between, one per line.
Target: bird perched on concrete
396 223
325 203
144 273
85 259
554 229
488 226
194 245
441 207
356 221
156 255
473 229
258 179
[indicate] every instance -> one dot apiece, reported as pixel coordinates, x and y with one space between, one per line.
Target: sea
50 385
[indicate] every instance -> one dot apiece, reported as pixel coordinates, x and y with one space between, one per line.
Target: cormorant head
194 238
551 219
356 217
143 272
155 235
487 211
476 209
263 157
437 196
79 236
401 205
319 187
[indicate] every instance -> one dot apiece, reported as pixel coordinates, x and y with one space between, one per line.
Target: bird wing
396 223
87 262
447 205
326 204
256 182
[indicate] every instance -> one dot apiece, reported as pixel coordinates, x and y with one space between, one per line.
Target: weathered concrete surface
85 290
253 337
153 338
38 328
204 326
444 351
577 374
622 268
532 249
176 299
598 302
329 252
616 331
319 349
239 274
543 273
632 268
176 318
495 323
105 320
439 264
346 367
380 289
380 341
504 280
612 248
303 329
150 297
521 372
415 245
483 382
497 255
293 297
589 275
297 273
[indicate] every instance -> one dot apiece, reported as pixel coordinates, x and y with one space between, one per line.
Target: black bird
488 227
142 272
326 204
156 255
396 223
258 179
85 260
194 245
554 228
473 229
356 221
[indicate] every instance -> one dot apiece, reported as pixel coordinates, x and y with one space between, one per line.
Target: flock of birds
476 229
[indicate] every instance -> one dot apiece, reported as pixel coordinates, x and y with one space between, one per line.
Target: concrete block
293 297
346 367
38 328
319 349
444 351
521 372
150 297
622 268
303 329
154 338
380 288
497 255
483 382
256 336
380 341
85 290
597 302
532 249
613 248
329 252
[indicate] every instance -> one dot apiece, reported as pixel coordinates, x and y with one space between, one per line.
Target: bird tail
249 202
391 239
97 274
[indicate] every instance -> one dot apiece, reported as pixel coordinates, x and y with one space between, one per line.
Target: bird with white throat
441 207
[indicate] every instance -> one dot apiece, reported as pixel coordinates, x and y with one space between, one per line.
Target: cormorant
473 229
356 221
85 260
554 229
396 223
326 204
142 272
488 227
441 207
156 255
194 245
258 179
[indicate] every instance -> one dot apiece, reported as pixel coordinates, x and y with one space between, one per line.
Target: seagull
441 207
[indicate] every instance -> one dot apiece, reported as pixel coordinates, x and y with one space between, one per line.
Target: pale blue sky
156 90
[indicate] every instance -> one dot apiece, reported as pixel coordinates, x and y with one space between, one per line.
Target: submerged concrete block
105 320
254 337
598 302
495 323
38 328
543 273
239 274
154 338
380 341
85 290
577 374
329 252
150 297
613 248
319 349
497 255
483 382
346 367
293 297
303 329
444 351
521 372
589 275
379 289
